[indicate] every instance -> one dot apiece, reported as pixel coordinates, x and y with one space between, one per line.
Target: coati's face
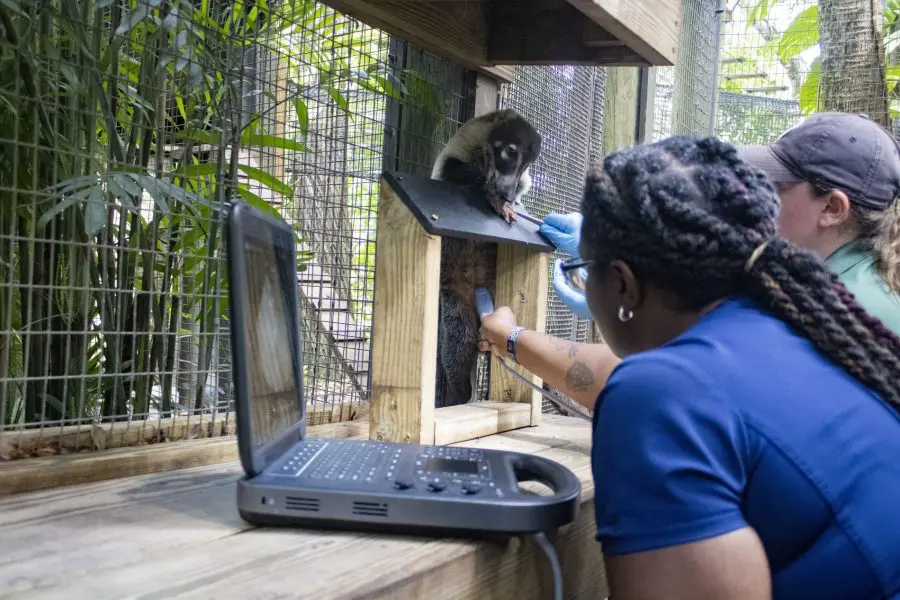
514 144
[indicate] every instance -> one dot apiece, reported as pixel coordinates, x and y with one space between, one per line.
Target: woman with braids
747 443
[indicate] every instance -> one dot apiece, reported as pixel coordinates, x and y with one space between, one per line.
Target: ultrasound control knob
403 484
436 485
471 487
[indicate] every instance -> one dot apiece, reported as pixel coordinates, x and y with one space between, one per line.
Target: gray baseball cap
834 150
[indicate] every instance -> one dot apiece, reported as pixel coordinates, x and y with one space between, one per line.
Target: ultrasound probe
484 304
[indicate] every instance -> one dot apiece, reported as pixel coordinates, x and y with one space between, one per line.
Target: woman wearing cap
838 177
746 444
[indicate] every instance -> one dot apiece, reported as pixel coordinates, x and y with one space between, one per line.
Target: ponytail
880 232
887 246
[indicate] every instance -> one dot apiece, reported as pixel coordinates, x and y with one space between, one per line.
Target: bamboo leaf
338 98
95 213
809 90
801 34
138 14
302 116
15 6
273 141
267 180
55 210
260 204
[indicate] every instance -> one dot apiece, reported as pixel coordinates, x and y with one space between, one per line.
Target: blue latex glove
563 231
571 297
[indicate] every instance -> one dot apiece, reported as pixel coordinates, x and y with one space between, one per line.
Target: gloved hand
571 297
563 231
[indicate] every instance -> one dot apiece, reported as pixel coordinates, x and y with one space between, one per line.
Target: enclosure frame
405 327
405 336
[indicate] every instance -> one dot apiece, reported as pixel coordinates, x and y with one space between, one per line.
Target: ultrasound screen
271 329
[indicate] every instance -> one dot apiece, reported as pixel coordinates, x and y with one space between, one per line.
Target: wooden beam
564 35
466 422
404 326
455 30
51 441
522 284
43 473
482 35
647 27
620 109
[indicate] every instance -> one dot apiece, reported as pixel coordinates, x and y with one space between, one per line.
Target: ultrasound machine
355 484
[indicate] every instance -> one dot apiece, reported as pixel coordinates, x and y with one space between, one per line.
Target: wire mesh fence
785 59
548 97
127 127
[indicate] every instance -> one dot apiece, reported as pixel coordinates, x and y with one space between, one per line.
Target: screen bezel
246 223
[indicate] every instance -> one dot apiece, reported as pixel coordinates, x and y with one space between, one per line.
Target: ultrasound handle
552 474
484 304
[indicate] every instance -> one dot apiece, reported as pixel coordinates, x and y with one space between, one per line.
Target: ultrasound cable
550 552
485 305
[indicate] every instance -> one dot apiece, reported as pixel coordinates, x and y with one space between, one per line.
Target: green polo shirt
856 268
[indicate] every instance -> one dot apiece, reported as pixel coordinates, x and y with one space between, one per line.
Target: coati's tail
458 348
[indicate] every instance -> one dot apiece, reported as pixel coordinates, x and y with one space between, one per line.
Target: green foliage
801 35
759 11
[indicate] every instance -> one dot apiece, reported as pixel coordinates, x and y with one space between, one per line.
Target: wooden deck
178 535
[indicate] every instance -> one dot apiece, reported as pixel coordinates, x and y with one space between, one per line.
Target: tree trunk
853 71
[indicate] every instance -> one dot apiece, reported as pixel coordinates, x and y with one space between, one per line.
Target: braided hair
688 214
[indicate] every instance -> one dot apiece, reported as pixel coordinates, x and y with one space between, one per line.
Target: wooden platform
178 535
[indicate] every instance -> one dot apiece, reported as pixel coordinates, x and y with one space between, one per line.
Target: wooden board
471 33
453 424
32 474
522 284
452 210
404 325
178 535
51 441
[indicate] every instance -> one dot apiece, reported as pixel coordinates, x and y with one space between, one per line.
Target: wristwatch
511 342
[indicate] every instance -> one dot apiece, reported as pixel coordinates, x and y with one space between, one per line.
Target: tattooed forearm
579 377
570 348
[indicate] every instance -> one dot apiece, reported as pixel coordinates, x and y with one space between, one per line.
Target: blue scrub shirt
741 422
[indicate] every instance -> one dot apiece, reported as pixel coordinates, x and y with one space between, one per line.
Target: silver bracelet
511 342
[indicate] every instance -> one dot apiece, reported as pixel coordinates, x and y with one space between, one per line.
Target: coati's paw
508 212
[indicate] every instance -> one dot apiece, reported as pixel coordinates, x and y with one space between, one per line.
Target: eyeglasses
575 272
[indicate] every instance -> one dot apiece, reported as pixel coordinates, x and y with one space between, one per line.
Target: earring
625 317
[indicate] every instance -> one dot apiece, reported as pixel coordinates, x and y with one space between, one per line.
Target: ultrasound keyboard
434 468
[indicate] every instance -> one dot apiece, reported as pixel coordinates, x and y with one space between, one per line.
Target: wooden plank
522 285
503 74
474 34
454 424
44 473
649 28
51 441
114 539
454 30
566 37
620 109
404 325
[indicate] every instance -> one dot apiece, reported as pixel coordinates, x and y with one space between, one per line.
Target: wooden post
522 284
405 325
405 328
